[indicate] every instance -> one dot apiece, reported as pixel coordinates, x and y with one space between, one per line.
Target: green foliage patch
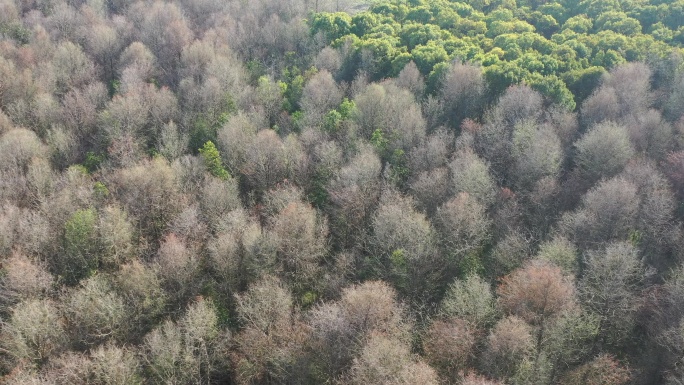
558 48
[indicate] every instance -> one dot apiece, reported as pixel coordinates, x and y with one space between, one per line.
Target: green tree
80 251
581 82
426 56
331 25
212 160
470 299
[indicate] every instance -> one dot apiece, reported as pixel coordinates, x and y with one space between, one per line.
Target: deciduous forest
344 192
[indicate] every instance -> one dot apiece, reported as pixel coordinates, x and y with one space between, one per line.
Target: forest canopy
341 192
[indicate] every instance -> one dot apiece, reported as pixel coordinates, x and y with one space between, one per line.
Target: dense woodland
338 192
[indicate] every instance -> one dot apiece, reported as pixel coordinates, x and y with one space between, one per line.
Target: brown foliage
178 266
536 292
23 279
603 370
270 341
508 344
372 306
450 346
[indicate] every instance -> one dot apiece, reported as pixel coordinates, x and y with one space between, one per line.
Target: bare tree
519 103
474 379
537 154
266 161
433 152
394 112
72 68
266 347
148 190
610 288
604 369
603 151
17 148
141 290
137 64
470 174
40 179
387 361
328 59
95 313
411 79
79 112
608 212
340 329
405 244
624 92
104 44
115 365
34 331
178 266
461 93
299 233
470 299
463 227
450 346
24 279
560 252
431 188
320 95
354 191
183 351
164 30
235 250
116 237
508 344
